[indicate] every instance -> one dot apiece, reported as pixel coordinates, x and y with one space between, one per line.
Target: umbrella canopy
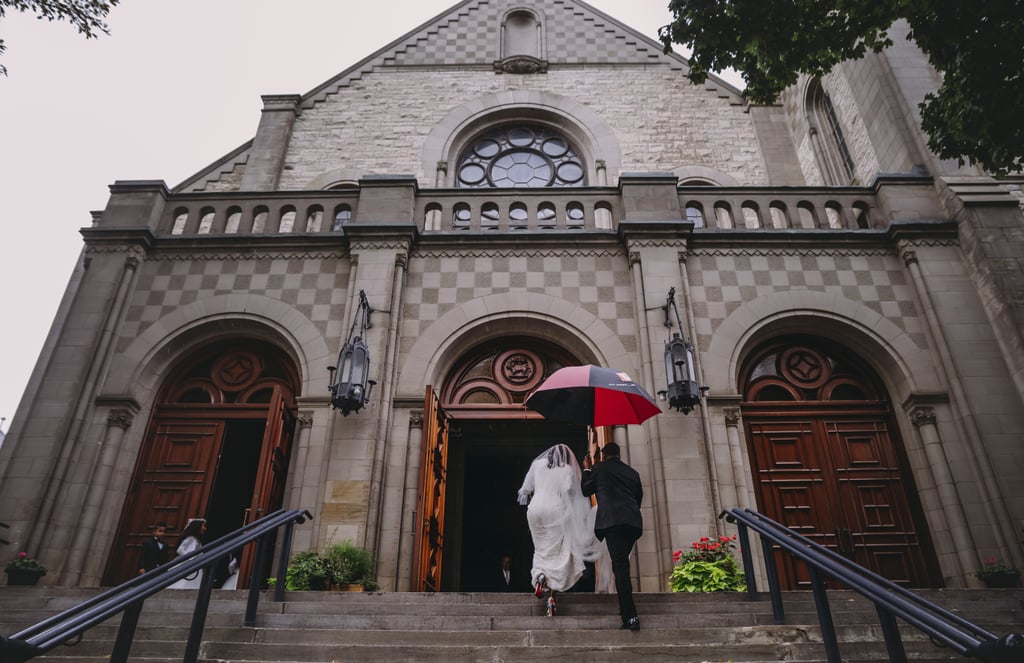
594 396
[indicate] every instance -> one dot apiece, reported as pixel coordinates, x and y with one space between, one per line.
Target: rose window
520 156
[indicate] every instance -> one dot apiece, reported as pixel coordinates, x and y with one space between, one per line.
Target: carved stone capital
909 257
732 416
402 260
120 418
634 258
922 416
416 419
305 419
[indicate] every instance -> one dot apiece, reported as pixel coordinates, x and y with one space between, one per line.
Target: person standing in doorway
619 523
154 551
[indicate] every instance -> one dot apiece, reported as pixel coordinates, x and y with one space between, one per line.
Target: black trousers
620 540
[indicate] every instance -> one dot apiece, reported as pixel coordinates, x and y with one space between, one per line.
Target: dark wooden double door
828 464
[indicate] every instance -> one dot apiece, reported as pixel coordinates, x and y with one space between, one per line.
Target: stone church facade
510 188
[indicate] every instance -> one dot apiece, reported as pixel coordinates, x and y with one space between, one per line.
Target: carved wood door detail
827 463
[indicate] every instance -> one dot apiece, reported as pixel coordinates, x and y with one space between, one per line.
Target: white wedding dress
561 523
187 545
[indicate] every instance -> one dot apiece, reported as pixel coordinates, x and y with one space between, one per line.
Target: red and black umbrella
594 396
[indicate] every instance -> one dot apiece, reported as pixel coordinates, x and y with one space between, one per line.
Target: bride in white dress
191 539
561 523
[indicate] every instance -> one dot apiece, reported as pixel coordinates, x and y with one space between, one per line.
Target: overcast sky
175 86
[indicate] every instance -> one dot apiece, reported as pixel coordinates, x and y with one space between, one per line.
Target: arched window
827 138
520 155
342 215
522 35
180 221
234 219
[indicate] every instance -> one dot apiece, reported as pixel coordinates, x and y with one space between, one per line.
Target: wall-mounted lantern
682 394
350 385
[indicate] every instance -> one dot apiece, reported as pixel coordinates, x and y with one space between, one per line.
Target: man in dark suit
154 551
619 523
505 578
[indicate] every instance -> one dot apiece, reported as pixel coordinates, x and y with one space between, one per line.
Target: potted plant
350 567
24 570
994 573
306 572
708 566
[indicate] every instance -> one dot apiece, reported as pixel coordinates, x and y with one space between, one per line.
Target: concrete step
309 627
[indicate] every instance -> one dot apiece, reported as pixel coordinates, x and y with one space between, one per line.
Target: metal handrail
128 597
945 628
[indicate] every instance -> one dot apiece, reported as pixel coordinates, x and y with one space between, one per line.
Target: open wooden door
433 484
172 484
268 492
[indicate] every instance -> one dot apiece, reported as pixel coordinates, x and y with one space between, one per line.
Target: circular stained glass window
520 156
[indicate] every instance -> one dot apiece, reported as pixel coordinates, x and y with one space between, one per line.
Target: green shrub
347 564
306 572
707 567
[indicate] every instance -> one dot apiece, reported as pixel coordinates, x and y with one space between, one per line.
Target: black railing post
893 639
126 633
772 573
748 561
282 562
256 581
195 632
828 627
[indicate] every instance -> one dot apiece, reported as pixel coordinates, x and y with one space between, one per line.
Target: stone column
735 439
952 513
300 462
269 147
118 422
410 503
1003 527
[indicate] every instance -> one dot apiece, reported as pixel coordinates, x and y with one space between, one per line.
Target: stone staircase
331 627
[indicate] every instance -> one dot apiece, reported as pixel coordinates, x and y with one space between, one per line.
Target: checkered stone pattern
597 282
314 285
720 282
573 35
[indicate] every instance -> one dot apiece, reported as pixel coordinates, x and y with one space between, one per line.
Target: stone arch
141 367
442 344
903 366
591 134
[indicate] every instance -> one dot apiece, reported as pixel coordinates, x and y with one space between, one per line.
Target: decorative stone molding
792 252
518 253
521 64
732 416
189 257
416 419
305 419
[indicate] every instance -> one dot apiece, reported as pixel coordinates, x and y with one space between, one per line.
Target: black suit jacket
499 581
619 495
153 553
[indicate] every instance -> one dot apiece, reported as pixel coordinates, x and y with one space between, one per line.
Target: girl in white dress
191 539
561 522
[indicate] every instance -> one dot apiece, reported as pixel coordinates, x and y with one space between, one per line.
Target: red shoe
540 591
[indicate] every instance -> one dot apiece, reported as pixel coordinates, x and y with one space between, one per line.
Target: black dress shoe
633 624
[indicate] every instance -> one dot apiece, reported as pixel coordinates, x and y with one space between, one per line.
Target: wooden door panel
172 486
433 482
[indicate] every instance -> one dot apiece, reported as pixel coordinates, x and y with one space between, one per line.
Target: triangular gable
467 35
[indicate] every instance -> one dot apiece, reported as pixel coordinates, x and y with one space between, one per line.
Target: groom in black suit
619 523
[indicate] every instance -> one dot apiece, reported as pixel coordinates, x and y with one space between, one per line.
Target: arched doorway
217 447
479 441
828 463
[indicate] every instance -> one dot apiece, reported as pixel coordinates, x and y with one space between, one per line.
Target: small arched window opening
342 215
259 219
206 221
518 216
695 214
860 216
287 220
234 220
603 216
751 215
490 216
462 217
575 215
314 219
780 219
180 221
723 215
547 217
432 217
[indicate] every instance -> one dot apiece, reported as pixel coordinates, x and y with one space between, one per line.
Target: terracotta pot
23 577
1001 579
